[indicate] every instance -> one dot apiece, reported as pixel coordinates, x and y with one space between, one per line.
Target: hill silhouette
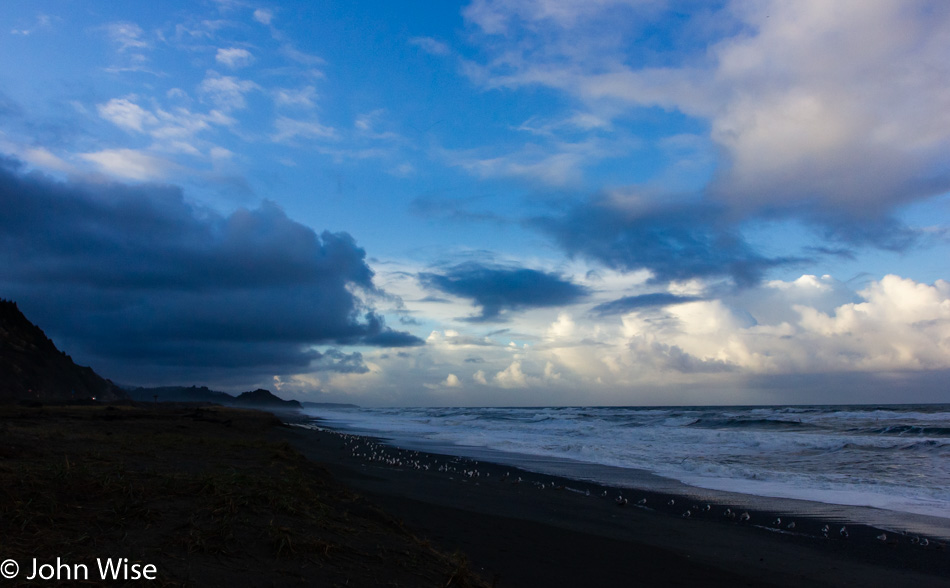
259 398
33 369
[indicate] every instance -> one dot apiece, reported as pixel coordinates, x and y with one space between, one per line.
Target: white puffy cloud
44 158
562 328
126 114
263 16
128 164
899 325
301 97
430 45
226 92
234 57
733 349
127 35
839 108
287 128
511 376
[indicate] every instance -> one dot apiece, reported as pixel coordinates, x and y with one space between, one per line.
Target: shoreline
910 514
539 530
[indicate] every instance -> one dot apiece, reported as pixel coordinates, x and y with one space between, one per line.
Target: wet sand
552 532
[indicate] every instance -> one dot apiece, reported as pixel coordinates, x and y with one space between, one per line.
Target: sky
485 203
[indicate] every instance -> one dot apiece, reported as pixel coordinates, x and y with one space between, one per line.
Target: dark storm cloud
630 303
497 289
131 276
675 242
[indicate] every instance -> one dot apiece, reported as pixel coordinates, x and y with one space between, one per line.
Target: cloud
226 92
300 97
511 376
128 164
145 286
127 35
496 17
234 57
895 324
631 303
837 114
498 289
675 241
126 114
43 21
288 128
334 360
430 45
263 16
44 158
557 163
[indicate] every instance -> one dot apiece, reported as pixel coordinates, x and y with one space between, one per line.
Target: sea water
895 459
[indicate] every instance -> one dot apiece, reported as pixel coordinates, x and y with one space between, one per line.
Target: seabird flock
364 448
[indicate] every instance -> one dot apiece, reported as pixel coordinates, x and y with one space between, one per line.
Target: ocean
885 465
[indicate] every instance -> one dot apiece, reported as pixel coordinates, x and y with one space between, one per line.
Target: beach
189 495
550 531
210 496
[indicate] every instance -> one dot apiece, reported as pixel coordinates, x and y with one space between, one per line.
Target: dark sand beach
520 535
209 496
225 497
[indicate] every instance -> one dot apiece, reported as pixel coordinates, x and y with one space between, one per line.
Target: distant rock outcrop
33 369
261 398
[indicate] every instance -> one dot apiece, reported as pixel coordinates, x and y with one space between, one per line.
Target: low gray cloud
143 284
497 289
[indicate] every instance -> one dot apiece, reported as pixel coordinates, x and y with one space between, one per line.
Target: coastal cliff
33 369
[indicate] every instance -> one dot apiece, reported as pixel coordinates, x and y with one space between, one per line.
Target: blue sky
485 203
